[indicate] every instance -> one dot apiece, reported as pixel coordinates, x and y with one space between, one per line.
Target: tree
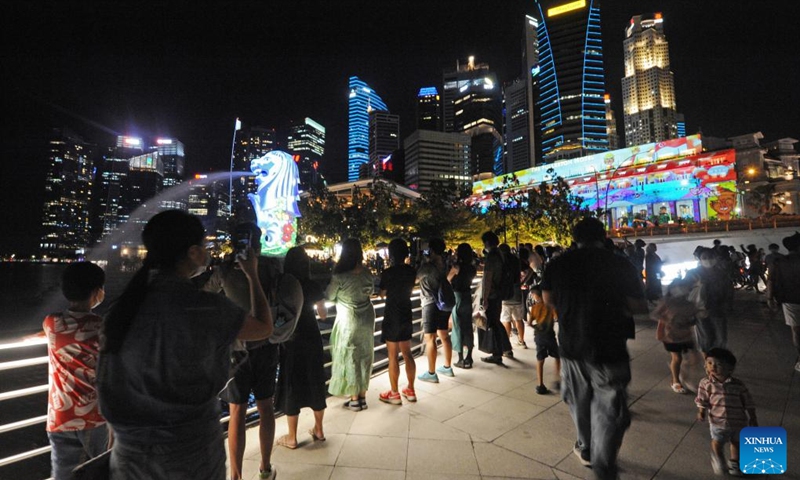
441 213
321 216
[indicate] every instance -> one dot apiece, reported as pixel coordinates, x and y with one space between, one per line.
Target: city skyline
190 79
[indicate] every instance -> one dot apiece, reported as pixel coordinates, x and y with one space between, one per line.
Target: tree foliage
441 213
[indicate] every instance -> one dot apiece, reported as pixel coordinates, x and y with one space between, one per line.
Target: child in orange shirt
544 336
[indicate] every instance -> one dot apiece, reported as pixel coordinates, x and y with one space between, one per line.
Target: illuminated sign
567 7
535 70
164 141
131 141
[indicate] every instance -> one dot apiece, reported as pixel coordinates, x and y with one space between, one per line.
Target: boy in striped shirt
728 405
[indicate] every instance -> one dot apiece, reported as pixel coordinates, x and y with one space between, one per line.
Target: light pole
608 185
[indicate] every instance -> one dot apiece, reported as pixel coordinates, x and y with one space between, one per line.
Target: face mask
707 263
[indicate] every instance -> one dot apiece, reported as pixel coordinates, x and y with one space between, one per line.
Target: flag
238 125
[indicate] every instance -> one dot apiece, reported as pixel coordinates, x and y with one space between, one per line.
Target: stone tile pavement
488 422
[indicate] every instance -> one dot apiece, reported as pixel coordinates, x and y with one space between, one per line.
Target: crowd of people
182 336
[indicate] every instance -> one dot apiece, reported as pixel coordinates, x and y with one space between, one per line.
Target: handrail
22 392
24 455
22 363
28 342
9 427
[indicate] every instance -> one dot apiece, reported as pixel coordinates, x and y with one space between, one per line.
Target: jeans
597 397
712 332
70 449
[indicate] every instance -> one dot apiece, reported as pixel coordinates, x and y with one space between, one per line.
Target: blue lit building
363 100
571 79
429 107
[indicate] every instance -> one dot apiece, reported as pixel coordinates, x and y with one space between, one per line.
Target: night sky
188 71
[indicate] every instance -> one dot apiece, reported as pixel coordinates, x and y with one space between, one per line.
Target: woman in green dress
352 338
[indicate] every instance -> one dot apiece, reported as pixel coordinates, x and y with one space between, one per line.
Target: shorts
395 330
724 434
257 373
434 319
679 347
514 311
791 314
546 345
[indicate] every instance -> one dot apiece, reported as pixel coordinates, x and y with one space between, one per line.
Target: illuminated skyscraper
252 142
611 124
68 193
114 203
472 104
170 151
571 80
648 91
307 144
384 138
436 156
363 100
429 109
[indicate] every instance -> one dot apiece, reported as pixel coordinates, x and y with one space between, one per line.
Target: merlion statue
275 201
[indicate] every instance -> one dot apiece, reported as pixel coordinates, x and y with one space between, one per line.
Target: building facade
362 100
429 109
648 90
68 193
571 79
384 138
436 156
611 124
306 143
172 156
472 104
516 131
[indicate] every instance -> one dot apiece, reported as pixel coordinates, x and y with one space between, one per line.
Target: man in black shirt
595 294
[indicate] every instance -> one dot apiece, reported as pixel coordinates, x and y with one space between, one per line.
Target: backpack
286 302
508 280
445 297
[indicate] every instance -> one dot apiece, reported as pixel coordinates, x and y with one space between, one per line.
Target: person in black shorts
255 364
396 285
434 321
544 337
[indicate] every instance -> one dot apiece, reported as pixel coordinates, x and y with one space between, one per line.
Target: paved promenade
488 422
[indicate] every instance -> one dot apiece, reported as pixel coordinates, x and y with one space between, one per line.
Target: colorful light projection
275 201
604 162
709 176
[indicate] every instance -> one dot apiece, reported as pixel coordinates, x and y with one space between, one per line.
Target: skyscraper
171 153
114 202
648 92
571 80
429 109
611 124
515 124
384 138
436 156
363 100
307 143
530 73
68 192
252 142
472 104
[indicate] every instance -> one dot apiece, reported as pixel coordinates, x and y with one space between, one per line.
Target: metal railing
16 364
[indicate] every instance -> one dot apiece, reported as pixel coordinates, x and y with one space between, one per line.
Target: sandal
284 442
678 388
315 437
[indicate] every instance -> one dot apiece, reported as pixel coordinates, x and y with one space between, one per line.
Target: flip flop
678 388
284 442
315 437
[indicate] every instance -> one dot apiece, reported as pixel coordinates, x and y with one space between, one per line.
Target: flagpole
236 127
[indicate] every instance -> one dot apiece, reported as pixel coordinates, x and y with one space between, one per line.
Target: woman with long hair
352 338
164 357
461 276
396 285
302 374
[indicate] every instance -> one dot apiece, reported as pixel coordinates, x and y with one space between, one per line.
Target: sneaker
460 364
733 468
716 464
353 405
583 455
429 377
390 397
363 403
409 395
270 474
521 343
467 363
446 371
492 359
508 354
542 390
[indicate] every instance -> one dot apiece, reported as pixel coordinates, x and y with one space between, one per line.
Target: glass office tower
363 100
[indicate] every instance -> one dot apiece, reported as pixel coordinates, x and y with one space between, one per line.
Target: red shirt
72 345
